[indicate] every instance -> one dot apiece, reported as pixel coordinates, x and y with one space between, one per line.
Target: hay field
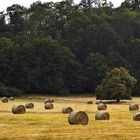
41 124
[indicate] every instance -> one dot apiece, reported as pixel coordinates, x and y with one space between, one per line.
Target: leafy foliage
117 84
65 48
9 91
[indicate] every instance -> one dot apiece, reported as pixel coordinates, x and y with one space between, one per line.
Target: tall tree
116 85
95 68
135 4
6 59
17 17
2 22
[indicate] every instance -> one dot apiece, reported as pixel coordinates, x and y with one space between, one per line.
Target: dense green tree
86 5
134 4
17 18
114 59
42 65
2 22
80 35
123 22
75 78
62 47
6 59
117 85
133 56
95 67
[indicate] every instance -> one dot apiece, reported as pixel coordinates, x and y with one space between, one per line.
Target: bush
9 91
64 91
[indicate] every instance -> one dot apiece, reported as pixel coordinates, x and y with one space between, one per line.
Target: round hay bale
102 116
30 98
78 117
67 110
102 106
47 101
29 105
4 100
11 98
18 109
136 116
89 102
48 106
133 107
52 100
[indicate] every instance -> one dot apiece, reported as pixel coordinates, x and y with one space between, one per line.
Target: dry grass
41 124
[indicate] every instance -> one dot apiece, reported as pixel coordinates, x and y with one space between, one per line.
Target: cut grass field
41 124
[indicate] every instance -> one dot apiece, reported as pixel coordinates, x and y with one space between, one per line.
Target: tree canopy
117 85
65 47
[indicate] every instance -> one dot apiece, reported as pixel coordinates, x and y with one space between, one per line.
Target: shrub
9 91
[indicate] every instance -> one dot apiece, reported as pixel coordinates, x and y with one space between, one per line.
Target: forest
65 48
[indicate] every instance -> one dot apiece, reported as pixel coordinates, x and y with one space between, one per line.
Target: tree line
65 48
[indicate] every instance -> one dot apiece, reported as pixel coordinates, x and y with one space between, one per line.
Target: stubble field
41 124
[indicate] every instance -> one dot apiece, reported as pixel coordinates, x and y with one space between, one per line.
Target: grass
41 124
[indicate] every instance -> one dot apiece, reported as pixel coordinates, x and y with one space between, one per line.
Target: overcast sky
5 3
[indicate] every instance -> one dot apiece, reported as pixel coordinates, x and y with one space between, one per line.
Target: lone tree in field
116 85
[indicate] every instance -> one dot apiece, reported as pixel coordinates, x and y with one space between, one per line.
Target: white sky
5 3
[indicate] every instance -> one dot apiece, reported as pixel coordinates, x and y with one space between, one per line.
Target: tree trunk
118 100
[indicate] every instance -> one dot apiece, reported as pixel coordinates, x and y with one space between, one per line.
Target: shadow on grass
115 102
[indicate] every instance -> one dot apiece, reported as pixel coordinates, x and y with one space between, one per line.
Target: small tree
116 85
